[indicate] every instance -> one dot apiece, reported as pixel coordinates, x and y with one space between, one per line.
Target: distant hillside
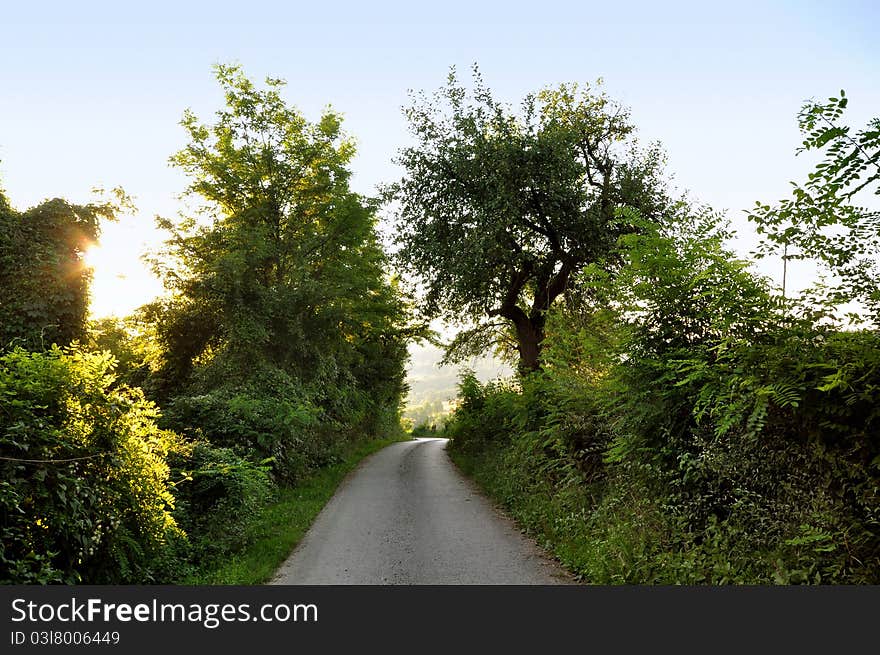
432 387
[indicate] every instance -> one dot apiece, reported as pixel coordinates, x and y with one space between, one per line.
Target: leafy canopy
280 269
823 219
44 283
497 209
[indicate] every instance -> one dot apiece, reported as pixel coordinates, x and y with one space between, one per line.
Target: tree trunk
529 337
530 327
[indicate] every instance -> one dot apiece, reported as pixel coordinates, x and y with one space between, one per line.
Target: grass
612 531
275 532
590 531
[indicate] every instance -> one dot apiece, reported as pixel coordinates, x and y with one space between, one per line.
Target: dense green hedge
85 490
689 426
93 489
280 345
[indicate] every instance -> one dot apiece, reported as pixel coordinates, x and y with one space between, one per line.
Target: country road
407 516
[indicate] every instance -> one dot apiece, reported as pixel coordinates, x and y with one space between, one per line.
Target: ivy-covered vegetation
690 422
146 449
43 283
86 485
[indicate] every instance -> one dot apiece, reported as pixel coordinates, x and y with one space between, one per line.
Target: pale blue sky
92 92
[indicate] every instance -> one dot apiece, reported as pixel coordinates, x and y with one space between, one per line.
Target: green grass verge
600 533
609 532
537 507
278 528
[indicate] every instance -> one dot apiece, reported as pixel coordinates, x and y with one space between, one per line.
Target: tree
822 220
496 210
44 283
280 272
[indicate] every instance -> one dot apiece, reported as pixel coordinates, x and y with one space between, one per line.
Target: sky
92 92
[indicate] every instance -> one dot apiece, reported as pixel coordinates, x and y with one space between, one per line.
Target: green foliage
484 412
689 426
85 492
217 494
428 414
281 343
131 341
497 210
822 220
279 431
44 285
282 269
426 429
281 315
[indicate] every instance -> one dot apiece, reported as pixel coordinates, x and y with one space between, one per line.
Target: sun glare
121 282
92 256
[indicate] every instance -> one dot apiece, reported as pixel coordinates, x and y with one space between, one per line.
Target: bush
426 428
260 427
709 432
485 413
217 495
85 493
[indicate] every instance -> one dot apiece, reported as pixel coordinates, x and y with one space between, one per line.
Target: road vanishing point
406 515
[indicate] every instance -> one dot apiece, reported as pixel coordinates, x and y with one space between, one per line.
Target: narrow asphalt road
407 516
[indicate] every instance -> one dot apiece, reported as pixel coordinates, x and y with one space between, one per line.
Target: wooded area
688 421
675 416
136 450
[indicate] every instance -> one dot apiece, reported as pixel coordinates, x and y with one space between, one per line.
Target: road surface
407 516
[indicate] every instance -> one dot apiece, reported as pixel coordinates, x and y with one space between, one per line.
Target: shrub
709 432
217 495
426 428
260 427
85 493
